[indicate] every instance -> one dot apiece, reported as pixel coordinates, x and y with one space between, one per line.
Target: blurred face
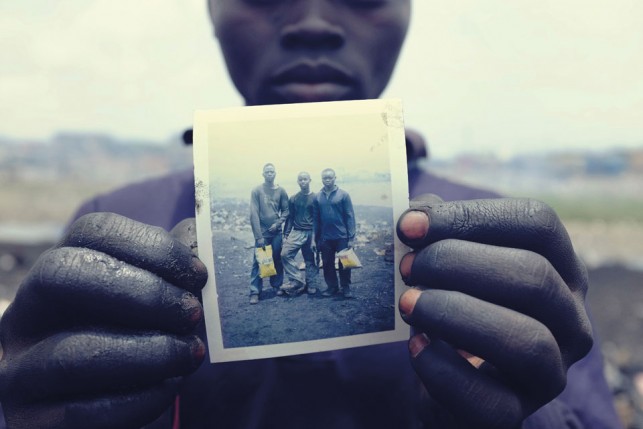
303 180
328 179
269 174
292 51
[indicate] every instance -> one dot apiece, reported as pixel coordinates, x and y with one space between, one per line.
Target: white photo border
391 113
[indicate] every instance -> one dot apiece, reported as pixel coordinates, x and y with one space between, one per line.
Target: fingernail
472 359
414 225
418 343
191 305
407 302
405 266
198 351
198 266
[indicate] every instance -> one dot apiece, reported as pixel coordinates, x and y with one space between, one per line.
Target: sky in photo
356 146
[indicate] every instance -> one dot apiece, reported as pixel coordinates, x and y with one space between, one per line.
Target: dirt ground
281 319
284 319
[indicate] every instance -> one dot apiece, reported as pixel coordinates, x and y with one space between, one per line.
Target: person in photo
334 231
268 211
299 235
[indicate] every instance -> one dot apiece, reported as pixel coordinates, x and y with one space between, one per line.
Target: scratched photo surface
363 142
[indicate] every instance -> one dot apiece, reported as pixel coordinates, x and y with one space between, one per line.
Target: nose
313 25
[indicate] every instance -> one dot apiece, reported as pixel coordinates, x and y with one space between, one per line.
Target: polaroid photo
280 192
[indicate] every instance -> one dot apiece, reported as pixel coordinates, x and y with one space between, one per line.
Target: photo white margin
392 109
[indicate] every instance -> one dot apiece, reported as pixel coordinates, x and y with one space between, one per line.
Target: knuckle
50 269
546 361
439 253
542 215
427 263
153 236
66 268
56 266
462 217
542 343
65 358
583 341
538 276
111 233
72 358
580 283
88 229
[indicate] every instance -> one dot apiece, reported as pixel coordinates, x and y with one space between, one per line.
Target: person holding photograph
334 231
268 211
106 331
299 234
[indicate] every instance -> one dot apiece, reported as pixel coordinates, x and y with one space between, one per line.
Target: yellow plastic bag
266 264
349 258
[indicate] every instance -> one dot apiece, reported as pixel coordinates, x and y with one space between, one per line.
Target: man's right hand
261 243
103 327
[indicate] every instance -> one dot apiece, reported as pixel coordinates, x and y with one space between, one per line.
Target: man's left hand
273 228
497 309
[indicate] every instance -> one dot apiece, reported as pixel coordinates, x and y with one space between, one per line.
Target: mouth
310 81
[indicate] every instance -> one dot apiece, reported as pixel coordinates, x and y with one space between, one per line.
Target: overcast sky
352 138
475 75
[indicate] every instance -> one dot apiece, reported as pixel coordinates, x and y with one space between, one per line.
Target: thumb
185 233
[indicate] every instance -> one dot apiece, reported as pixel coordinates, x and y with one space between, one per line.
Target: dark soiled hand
103 327
497 309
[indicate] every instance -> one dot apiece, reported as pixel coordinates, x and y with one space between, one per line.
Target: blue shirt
334 215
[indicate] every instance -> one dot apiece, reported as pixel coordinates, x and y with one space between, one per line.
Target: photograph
295 222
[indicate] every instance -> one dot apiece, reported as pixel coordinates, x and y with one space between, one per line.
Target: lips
309 81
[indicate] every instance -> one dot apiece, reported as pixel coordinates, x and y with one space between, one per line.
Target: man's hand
261 243
497 310
103 327
273 228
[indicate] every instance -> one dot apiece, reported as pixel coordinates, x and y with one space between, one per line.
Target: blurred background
540 99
